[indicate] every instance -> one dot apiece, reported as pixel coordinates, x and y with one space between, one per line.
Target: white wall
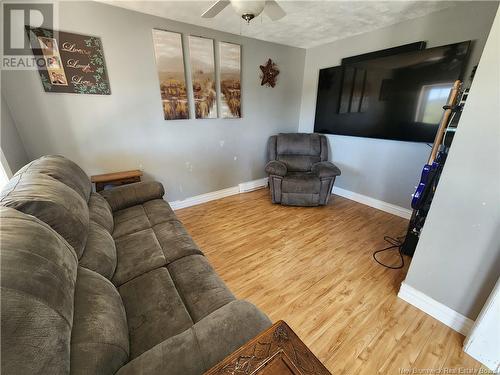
457 260
383 169
11 144
126 129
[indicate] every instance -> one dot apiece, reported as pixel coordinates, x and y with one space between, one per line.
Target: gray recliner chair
299 171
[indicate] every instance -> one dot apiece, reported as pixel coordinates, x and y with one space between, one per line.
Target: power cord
396 243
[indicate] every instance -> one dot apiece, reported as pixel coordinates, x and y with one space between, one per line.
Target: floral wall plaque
71 63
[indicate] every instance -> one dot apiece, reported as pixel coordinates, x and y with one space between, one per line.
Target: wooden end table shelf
116 179
276 351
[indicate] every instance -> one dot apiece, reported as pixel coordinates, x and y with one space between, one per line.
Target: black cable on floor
396 243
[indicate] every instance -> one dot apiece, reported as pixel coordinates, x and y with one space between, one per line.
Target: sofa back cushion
99 341
52 202
99 254
299 151
38 274
100 211
63 170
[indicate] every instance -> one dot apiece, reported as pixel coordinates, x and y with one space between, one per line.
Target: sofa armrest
200 347
276 167
129 195
325 169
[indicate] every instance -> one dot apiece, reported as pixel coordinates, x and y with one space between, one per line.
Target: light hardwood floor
313 268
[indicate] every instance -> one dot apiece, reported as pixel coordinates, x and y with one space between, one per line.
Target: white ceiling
307 23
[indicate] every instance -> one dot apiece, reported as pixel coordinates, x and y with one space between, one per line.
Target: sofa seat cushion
178 355
199 286
63 170
158 211
197 349
301 183
148 236
137 253
100 212
175 241
100 252
51 201
155 311
99 341
38 274
142 216
233 325
130 220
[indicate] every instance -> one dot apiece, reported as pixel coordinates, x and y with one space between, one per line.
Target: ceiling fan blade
274 11
215 9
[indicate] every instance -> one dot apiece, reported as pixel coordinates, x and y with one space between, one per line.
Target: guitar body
424 181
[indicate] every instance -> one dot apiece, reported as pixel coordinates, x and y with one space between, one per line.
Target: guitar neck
452 98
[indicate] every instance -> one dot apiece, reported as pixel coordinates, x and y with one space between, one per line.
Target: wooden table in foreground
116 179
276 351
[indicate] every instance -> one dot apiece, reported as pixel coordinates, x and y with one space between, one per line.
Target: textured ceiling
307 23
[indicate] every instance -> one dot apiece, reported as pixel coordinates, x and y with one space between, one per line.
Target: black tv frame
410 47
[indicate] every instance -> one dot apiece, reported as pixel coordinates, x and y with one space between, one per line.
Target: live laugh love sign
70 63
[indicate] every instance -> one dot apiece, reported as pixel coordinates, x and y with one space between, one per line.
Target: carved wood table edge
116 178
271 352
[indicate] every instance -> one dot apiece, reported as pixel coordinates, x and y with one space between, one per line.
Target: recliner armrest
276 167
325 169
124 196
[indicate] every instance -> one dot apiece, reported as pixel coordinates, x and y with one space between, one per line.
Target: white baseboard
437 310
372 202
253 185
207 197
262 182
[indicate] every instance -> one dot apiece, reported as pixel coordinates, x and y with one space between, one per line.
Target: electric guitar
436 158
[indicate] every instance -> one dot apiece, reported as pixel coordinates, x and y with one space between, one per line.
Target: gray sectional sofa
107 283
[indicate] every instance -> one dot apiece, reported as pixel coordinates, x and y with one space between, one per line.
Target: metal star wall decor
268 75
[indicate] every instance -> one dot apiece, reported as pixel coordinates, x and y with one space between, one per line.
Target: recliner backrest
299 151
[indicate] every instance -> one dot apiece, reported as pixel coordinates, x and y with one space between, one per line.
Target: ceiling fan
247 9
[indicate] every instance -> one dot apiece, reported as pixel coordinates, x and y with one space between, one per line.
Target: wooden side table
276 351
115 179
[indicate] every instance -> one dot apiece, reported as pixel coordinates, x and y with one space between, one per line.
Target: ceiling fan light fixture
247 17
248 9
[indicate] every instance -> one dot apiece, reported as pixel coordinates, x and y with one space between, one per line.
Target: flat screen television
399 96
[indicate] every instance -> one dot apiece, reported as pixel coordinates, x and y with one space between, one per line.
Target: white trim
207 197
253 185
372 202
483 342
437 310
248 186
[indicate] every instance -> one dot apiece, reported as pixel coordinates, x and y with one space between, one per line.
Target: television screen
398 97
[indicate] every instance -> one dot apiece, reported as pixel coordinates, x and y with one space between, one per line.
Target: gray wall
383 169
457 261
11 144
126 130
